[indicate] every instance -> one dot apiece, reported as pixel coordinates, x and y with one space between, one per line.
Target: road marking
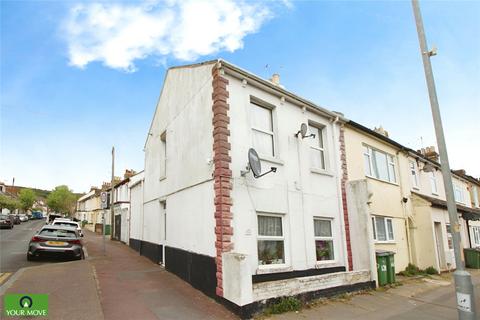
4 276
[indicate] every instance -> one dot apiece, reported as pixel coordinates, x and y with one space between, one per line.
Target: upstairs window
414 174
433 182
163 165
379 165
317 148
458 191
475 196
262 130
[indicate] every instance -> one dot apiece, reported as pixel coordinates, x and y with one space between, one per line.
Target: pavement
124 285
425 298
119 285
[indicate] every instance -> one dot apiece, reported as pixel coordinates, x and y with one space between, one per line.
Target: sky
80 77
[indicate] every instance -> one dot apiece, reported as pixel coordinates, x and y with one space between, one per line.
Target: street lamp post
463 282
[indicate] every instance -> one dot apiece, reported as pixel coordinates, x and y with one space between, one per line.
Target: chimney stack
129 173
381 131
430 153
275 79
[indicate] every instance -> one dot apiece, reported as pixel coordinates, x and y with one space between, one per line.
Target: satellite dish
255 165
254 162
303 129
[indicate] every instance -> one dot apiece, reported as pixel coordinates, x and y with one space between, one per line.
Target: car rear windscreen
65 224
61 233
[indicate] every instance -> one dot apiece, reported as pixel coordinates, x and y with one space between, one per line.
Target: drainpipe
339 188
404 209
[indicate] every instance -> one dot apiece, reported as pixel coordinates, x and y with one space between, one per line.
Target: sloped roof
467 212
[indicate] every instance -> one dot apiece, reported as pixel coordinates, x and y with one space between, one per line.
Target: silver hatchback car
56 241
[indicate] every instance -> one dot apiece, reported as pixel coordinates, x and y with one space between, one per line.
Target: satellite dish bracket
272 169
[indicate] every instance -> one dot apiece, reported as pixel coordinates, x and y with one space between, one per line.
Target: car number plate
56 243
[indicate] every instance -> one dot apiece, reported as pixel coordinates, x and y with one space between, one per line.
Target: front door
439 246
118 226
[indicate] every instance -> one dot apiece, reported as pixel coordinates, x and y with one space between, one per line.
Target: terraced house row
329 194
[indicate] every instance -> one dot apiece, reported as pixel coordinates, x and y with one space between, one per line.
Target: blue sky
77 78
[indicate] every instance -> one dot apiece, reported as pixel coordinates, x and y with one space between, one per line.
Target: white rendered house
241 239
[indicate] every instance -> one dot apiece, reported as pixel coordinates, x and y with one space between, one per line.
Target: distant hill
41 194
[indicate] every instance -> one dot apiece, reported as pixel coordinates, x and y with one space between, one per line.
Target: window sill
416 188
380 180
273 268
321 171
385 242
325 264
272 159
435 194
162 178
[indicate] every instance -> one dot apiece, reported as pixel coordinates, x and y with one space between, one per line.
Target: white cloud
118 34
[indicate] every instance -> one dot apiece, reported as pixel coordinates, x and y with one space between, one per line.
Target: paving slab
71 289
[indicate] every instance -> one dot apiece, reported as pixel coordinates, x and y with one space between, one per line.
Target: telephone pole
112 200
463 281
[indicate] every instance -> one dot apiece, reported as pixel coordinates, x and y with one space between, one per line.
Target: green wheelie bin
472 258
382 271
391 267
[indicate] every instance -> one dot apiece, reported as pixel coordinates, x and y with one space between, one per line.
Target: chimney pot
275 79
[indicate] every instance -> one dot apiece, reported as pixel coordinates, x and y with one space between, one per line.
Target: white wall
184 113
294 191
136 206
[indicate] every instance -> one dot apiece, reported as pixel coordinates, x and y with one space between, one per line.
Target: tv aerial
255 165
303 132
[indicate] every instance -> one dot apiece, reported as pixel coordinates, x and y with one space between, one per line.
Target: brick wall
222 173
343 161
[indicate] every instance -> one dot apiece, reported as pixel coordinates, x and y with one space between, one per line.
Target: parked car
56 241
51 217
23 217
68 223
6 221
15 218
37 215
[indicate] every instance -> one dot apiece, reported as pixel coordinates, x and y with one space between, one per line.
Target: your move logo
25 305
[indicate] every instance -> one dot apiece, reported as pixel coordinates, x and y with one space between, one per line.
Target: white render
178 192
184 114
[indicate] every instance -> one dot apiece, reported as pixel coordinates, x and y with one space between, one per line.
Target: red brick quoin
343 161
222 174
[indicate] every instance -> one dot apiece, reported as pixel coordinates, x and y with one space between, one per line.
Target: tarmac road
14 243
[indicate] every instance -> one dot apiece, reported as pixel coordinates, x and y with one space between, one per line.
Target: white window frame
433 183
258 104
414 174
391 164
460 198
332 238
272 238
163 166
448 230
476 236
475 196
387 233
316 146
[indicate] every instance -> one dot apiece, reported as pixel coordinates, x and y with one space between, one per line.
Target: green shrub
285 304
431 270
411 270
